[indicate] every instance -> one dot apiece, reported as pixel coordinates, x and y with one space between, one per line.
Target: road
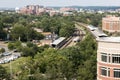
3 45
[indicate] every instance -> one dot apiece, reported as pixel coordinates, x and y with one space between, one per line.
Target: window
111 25
117 73
109 72
104 71
104 57
115 58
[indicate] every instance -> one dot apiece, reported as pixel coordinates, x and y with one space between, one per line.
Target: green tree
22 33
11 46
3 33
67 30
3 74
14 45
45 24
18 32
53 65
27 51
2 50
27 69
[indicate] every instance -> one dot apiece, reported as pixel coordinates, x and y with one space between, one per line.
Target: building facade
108 58
32 9
111 24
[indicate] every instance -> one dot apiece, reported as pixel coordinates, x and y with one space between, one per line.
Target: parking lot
6 57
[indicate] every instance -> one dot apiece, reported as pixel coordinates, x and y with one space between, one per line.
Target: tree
7 19
53 65
3 74
18 32
85 69
27 51
67 30
45 24
1 25
89 51
3 33
39 76
45 63
74 55
2 50
26 69
22 33
14 45
11 46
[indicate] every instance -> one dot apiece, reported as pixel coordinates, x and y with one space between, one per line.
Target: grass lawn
15 65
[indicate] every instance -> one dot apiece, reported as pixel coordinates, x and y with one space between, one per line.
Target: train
76 39
58 43
91 27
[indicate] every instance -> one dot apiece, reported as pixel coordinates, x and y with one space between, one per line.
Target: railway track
85 26
80 33
68 41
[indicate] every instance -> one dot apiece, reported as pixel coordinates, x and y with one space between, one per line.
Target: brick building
111 24
108 58
32 9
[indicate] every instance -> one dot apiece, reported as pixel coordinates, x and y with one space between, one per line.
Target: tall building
111 24
32 9
108 58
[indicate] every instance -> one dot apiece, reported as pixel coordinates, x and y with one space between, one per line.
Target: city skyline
21 3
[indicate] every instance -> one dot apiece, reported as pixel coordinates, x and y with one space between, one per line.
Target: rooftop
91 27
56 42
38 30
109 39
46 33
111 18
99 33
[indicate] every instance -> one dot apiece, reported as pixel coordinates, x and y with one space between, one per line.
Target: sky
21 3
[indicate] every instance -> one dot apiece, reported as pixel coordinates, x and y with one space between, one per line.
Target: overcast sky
20 3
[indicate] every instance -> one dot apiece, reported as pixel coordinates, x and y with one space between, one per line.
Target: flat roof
111 18
56 42
109 39
91 27
99 33
46 33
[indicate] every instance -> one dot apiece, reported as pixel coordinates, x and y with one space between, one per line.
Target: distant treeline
93 7
79 7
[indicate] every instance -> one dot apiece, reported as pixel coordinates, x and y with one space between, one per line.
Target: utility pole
10 71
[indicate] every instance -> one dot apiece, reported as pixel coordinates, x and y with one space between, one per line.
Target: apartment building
108 58
32 9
